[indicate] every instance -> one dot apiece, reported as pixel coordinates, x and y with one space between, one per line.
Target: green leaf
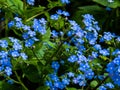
94 83
71 88
51 44
104 57
31 72
114 4
33 11
42 88
47 35
6 86
15 5
54 4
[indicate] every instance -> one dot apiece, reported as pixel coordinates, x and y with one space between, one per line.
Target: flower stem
20 81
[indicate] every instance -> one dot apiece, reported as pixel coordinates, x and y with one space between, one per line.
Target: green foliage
36 69
31 73
91 9
42 88
114 4
15 6
33 12
6 86
94 83
71 88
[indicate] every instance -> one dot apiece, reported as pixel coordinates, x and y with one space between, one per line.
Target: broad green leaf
33 11
15 5
114 4
31 72
94 83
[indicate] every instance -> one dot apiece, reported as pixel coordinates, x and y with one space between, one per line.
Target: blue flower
116 52
39 26
24 56
13 40
89 74
75 80
3 43
109 85
102 88
104 52
48 83
110 1
43 21
66 81
73 58
10 81
88 19
29 42
26 28
8 71
30 2
65 1
80 79
3 54
81 58
118 39
54 77
90 23
11 24
25 35
19 24
84 66
17 19
60 12
17 46
55 65
108 9
65 13
70 33
94 54
113 68
5 62
31 33
54 34
70 74
97 47
59 85
14 53
54 17
92 37
108 36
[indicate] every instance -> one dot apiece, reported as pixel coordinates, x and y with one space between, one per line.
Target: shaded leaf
114 4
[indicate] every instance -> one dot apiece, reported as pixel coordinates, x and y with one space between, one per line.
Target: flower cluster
29 33
88 45
106 86
79 37
113 68
11 48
